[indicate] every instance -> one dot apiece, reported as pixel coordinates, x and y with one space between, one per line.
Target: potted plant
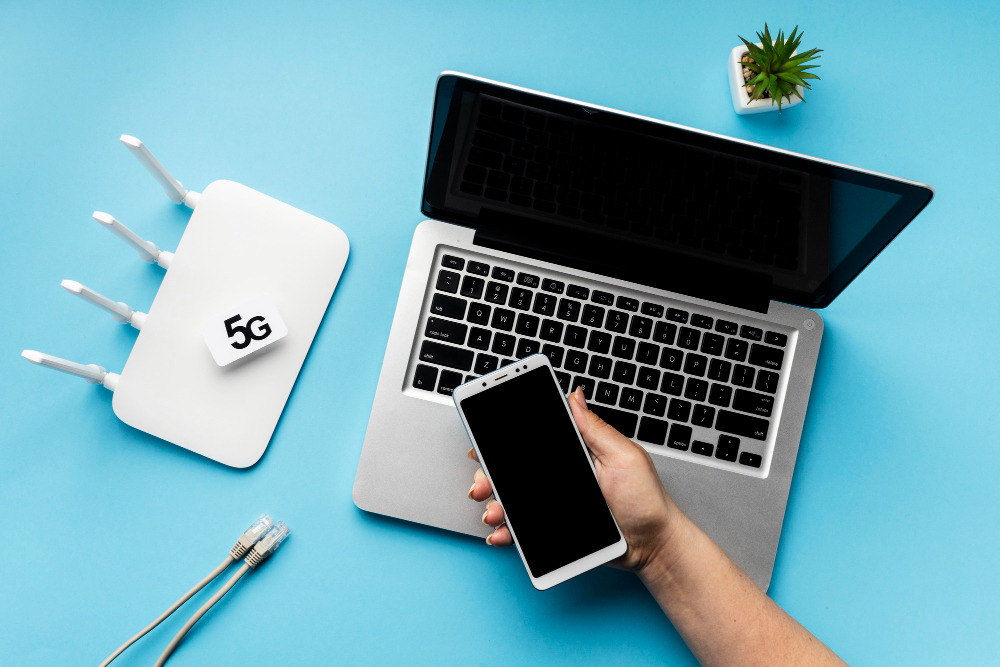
765 75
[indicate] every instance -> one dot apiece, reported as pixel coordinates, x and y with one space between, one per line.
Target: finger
472 454
500 538
481 489
601 437
493 516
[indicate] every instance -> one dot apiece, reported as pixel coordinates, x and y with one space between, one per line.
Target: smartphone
523 430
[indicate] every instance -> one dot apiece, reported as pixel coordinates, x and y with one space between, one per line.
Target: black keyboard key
677 315
478 268
625 303
563 379
545 304
593 316
446 355
575 336
641 327
513 114
472 287
726 327
471 188
490 107
486 363
748 459
702 321
679 410
617 321
696 390
527 325
672 384
745 425
527 347
752 333
553 286
568 310
599 342
554 353
688 338
514 165
606 393
496 292
501 127
479 313
664 333
446 330
775 338
680 437
535 121
652 430
754 403
605 298
631 399
576 361
712 344
585 383
769 357
703 448
695 364
485 158
452 262
647 353
498 179
495 193
703 416
720 395
551 331
506 275
523 150
649 378
448 306
652 309
655 405
624 372
578 292
719 370
623 422
743 376
671 359
520 298
448 281
449 380
623 347
528 280
736 349
480 338
600 367
503 344
506 362
425 377
728 446
503 319
474 174
767 381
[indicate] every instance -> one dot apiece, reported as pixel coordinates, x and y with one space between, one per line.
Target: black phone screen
540 471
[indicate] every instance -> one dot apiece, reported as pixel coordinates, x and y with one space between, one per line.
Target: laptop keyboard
684 380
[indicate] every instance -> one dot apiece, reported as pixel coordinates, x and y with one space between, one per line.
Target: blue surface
890 540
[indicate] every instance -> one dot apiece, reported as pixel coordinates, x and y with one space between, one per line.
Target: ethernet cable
248 539
268 544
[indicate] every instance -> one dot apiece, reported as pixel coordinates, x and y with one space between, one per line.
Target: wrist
668 549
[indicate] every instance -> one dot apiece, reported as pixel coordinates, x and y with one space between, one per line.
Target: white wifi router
224 339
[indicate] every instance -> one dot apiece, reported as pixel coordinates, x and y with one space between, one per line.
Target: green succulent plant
778 72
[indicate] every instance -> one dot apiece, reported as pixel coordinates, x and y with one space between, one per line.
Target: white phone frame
491 380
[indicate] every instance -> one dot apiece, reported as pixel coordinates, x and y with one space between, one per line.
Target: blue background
890 540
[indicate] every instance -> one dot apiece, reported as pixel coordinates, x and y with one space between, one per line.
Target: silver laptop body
730 470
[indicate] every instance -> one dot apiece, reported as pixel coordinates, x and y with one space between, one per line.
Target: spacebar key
745 425
624 422
446 355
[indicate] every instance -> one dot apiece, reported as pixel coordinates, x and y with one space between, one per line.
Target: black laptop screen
658 204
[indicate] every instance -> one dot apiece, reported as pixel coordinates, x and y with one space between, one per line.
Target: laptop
672 273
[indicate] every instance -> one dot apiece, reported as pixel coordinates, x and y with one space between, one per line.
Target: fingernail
484 517
489 540
472 489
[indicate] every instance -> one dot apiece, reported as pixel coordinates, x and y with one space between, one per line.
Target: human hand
644 512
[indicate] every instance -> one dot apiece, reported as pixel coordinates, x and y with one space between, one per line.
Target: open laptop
668 271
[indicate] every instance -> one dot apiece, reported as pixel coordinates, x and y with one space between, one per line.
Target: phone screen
540 471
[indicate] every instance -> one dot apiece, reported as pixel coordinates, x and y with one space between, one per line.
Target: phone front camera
526 367
484 384
517 370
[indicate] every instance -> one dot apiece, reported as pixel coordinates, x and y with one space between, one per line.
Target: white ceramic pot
739 90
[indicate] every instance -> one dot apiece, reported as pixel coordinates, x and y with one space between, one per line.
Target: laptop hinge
622 259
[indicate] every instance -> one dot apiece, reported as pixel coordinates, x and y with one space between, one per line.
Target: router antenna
118 310
171 185
146 249
92 373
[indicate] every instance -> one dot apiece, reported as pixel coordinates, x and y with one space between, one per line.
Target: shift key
446 355
737 424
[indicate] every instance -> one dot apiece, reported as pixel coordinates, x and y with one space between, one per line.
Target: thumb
601 437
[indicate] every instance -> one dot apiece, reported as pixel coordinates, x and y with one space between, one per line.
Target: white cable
247 540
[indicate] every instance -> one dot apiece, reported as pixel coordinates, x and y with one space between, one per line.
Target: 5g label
241 331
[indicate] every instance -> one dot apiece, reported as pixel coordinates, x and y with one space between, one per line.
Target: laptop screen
658 204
